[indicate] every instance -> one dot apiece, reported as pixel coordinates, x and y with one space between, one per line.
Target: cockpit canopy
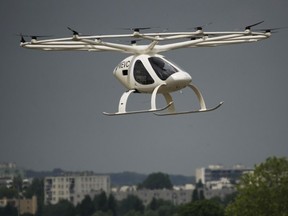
145 72
161 67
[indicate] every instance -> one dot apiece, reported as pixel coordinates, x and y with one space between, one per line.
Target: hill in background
117 179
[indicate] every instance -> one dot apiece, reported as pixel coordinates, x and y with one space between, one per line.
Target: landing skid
124 99
170 109
201 103
138 111
188 112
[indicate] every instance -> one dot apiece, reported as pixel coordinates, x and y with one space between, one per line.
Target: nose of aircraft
179 80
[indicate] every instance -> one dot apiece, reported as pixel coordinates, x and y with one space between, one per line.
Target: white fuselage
145 72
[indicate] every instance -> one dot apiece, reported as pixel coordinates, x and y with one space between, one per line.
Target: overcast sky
51 103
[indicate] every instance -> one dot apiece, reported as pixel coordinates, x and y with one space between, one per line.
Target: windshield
162 68
141 75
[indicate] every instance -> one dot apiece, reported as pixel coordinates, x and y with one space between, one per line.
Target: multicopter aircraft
146 70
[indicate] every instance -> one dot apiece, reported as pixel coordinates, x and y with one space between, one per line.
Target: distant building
177 197
216 172
220 184
28 206
74 187
221 193
10 170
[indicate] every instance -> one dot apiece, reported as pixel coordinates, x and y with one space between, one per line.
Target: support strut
200 100
124 99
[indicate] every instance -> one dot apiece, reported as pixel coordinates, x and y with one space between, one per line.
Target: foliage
86 207
156 181
161 207
8 211
63 208
36 188
198 193
201 208
131 203
112 205
27 214
264 192
8 192
100 213
100 202
228 199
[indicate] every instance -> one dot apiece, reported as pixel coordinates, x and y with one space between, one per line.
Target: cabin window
124 72
162 68
141 75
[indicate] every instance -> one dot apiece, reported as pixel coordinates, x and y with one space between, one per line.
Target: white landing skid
201 102
189 112
123 102
169 108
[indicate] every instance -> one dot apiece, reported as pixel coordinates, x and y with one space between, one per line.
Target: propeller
201 27
255 24
73 31
22 40
33 37
133 42
138 29
272 30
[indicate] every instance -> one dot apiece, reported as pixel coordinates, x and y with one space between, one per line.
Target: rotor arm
198 38
206 41
191 43
102 45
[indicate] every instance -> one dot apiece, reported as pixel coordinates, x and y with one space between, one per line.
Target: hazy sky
51 103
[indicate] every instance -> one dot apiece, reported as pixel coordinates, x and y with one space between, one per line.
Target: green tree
100 213
198 192
201 208
133 213
149 212
17 183
131 203
8 192
263 192
157 181
36 188
62 208
112 205
100 202
8 210
86 207
161 207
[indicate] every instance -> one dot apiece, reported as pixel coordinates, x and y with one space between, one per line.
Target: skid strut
169 108
124 99
201 102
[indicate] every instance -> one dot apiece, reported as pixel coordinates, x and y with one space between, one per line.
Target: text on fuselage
124 64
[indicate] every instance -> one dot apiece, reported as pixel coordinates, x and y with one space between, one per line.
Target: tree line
263 192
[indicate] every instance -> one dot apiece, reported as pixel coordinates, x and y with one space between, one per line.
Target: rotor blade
138 29
201 27
133 42
22 40
32 36
249 27
271 29
73 31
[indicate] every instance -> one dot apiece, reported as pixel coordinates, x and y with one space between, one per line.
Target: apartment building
26 206
74 187
216 172
177 197
9 170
